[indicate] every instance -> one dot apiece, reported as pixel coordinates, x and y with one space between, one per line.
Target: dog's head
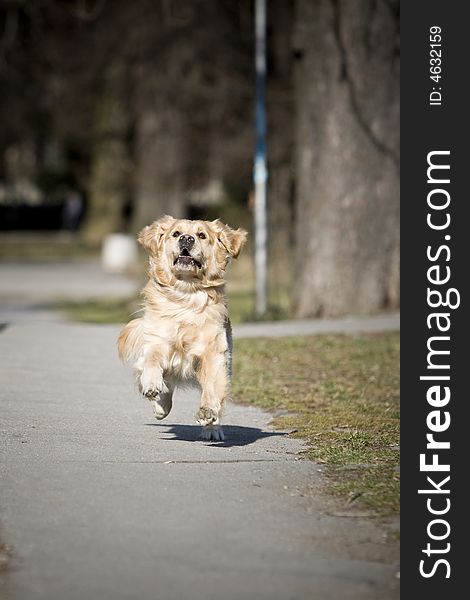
191 251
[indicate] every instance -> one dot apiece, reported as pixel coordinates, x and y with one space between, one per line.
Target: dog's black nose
186 241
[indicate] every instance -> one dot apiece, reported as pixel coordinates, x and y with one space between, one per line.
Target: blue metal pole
260 171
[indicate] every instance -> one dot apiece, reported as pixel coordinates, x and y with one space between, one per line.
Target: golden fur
184 332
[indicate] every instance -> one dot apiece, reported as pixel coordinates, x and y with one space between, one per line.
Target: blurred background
116 112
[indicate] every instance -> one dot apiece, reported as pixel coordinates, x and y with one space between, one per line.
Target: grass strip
341 394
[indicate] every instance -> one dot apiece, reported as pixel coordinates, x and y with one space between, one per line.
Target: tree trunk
347 161
111 167
159 174
280 145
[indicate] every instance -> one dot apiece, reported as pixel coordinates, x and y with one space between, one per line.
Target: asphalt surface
60 280
100 501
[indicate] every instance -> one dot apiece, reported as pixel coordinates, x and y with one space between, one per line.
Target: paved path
56 280
99 501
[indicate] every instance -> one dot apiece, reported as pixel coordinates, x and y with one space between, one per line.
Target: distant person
72 211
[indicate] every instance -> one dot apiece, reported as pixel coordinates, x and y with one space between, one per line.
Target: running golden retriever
184 332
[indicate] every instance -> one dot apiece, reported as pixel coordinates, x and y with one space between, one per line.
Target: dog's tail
130 340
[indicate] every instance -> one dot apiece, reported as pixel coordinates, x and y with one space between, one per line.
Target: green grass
241 305
108 310
341 394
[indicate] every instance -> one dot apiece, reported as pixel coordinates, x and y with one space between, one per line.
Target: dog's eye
176 234
202 235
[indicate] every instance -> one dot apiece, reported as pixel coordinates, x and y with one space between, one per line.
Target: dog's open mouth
185 259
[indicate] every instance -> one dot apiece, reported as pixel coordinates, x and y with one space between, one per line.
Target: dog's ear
232 240
151 235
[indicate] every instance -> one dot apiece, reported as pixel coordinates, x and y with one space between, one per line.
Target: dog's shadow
235 435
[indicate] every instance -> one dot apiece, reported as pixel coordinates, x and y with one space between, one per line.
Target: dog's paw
151 384
213 433
207 416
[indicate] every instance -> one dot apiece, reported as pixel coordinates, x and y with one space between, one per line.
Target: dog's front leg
214 380
152 383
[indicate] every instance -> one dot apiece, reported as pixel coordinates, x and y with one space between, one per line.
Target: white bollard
118 253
